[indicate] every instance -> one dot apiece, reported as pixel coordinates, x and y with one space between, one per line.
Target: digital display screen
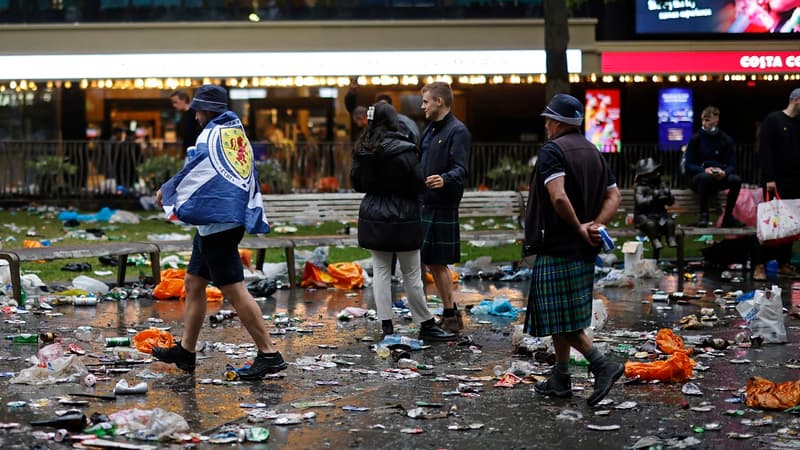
603 119
675 118
717 16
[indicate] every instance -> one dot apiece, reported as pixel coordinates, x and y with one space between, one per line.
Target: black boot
557 385
606 373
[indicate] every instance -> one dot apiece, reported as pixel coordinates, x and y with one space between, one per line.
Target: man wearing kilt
445 152
572 193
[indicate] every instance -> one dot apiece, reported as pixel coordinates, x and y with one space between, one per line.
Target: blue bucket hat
565 108
210 97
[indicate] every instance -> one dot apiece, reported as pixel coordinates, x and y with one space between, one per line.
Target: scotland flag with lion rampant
219 184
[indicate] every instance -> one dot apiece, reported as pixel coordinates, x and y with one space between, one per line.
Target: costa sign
699 62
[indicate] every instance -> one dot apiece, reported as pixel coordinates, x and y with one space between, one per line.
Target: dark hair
383 98
180 94
383 123
710 111
359 111
440 89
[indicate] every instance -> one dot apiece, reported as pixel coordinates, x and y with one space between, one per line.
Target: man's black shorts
216 257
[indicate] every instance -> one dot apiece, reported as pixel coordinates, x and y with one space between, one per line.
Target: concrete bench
119 249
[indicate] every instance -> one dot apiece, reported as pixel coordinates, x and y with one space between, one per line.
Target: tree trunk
556 39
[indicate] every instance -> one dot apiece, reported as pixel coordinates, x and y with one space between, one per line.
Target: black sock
448 312
594 356
268 355
561 368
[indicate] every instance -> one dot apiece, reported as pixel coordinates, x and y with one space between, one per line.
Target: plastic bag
347 275
169 288
246 255
429 276
169 274
762 393
764 314
313 276
213 294
670 343
676 369
778 221
145 340
599 315
746 208
90 285
59 368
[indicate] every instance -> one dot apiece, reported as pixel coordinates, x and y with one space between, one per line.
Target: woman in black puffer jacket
386 167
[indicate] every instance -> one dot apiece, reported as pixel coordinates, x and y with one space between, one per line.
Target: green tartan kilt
560 299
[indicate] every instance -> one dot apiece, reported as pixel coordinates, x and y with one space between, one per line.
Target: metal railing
85 169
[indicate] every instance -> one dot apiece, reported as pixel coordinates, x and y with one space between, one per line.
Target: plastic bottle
221 316
772 270
406 363
122 341
24 338
395 339
102 429
382 351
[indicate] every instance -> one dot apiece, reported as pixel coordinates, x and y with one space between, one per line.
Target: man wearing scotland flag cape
217 190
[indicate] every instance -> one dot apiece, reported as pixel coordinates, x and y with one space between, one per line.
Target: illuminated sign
602 119
675 118
279 64
717 16
700 62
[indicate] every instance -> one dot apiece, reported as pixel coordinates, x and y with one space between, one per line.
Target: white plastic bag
90 285
764 314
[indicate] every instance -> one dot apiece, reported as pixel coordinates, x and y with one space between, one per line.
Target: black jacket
710 150
389 216
445 151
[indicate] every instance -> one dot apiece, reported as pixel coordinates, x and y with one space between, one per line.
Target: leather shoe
433 332
605 375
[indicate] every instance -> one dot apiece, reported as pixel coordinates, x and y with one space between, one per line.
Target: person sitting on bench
651 198
711 163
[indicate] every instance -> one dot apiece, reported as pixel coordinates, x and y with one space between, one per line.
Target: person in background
779 152
711 165
572 194
408 127
386 167
445 149
210 194
188 127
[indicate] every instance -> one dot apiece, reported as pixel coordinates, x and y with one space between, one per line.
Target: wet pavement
465 409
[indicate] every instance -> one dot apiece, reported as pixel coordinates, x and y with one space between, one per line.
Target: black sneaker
184 359
434 332
265 363
605 375
557 385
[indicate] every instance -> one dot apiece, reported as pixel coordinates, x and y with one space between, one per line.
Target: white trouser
412 279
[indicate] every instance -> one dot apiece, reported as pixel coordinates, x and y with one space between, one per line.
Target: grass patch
43 224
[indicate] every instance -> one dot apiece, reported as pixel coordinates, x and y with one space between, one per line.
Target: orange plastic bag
676 369
168 274
670 343
429 277
213 294
247 258
313 276
27 243
145 340
762 393
169 288
347 275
